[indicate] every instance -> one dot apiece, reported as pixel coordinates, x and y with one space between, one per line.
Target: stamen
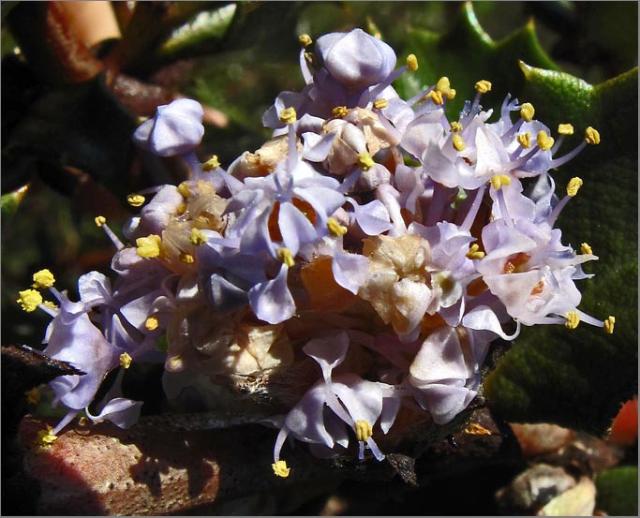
565 129
475 252
574 186
43 279
458 142
285 255
380 104
444 87
187 258
475 207
591 136
136 200
183 189
280 469
365 161
50 304
545 142
363 429
572 320
456 127
339 112
305 40
483 86
527 111
524 139
500 180
197 238
609 324
412 62
151 323
100 221
436 97
148 247
125 360
211 164
586 249
336 228
46 437
288 115
29 300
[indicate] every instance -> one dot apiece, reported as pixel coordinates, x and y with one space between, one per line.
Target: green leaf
467 54
579 378
618 491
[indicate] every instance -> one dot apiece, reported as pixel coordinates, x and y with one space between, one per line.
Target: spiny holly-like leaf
579 378
467 54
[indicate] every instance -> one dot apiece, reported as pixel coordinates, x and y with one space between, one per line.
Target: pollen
412 62
336 228
43 279
285 255
136 200
340 111
545 142
444 87
500 180
458 142
363 430
608 324
125 360
574 186
591 136
151 323
483 86
183 189
365 161
572 320
380 104
436 97
187 258
33 396
46 437
475 252
197 238
524 139
280 469
211 164
586 249
565 129
456 127
288 115
29 300
527 111
148 247
99 220
305 40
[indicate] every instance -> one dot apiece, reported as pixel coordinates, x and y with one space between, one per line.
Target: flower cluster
365 257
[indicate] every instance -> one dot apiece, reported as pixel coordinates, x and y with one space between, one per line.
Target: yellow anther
545 142
524 139
527 111
197 238
336 228
586 249
151 323
380 104
475 252
148 247
100 220
340 111
181 209
609 324
175 362
280 469
83 421
187 258
436 97
50 304
211 164
33 396
456 127
29 300
305 40
363 430
591 136
458 142
412 62
183 189
285 255
46 437
43 279
572 320
565 129
483 86
125 360
574 186
443 85
288 115
365 161
500 180
450 94
135 200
